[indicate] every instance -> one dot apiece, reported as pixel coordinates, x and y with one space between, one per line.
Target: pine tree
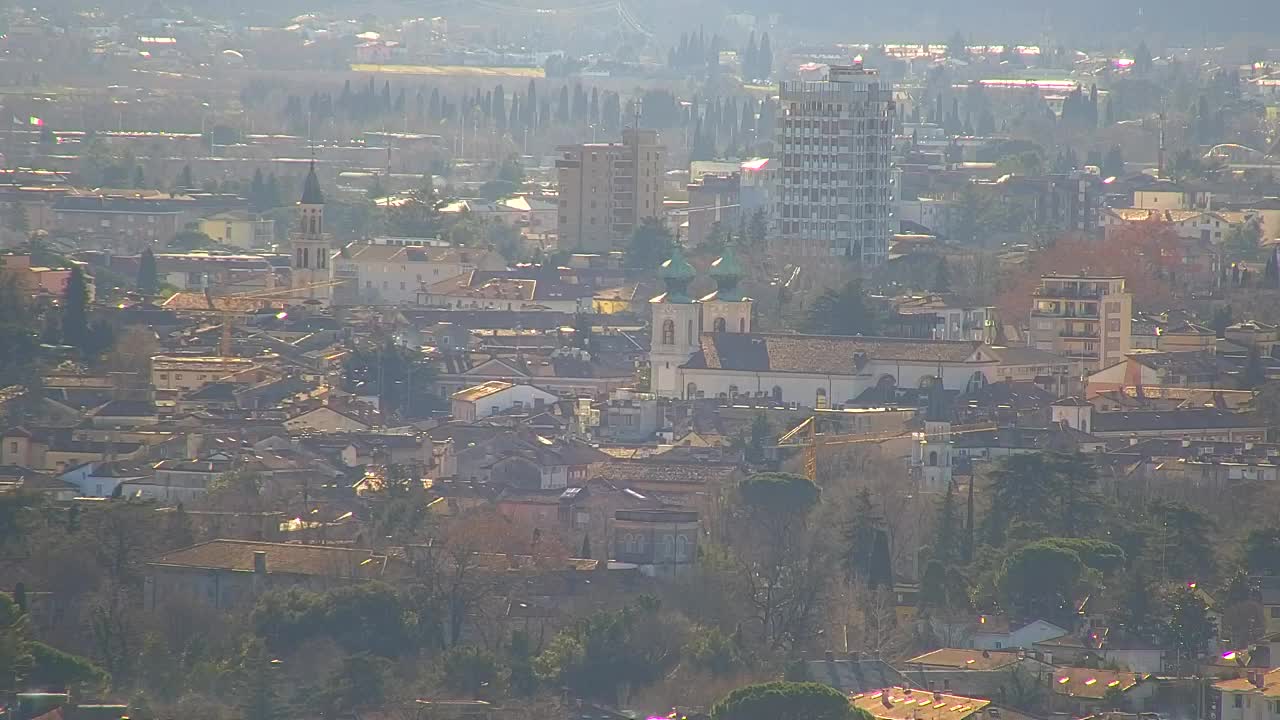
147 277
593 107
185 181
75 320
586 547
138 179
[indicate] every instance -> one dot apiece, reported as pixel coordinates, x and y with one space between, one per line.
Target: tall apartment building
835 137
607 189
1084 317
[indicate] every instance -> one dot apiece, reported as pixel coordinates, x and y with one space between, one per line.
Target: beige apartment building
1084 317
607 189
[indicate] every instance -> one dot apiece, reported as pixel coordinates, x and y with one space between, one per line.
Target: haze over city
599 360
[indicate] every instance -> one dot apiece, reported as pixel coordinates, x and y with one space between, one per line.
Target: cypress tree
147 278
75 320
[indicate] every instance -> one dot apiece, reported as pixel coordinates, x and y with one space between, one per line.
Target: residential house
241 229
899 703
510 290
854 675
995 632
971 671
14 478
229 574
496 396
690 483
398 274
326 418
133 218
187 373
1159 369
100 479
1082 691
568 373
1256 696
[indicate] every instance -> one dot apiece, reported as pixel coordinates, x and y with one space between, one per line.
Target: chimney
1255 679
830 656
1133 440
1186 441
260 562
1248 445
937 697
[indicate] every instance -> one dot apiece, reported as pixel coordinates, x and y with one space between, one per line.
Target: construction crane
227 313
806 436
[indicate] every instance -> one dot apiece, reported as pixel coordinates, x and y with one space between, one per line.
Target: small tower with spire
677 328
726 309
931 455
309 261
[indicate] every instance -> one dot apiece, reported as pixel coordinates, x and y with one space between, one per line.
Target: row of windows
717 325
668 547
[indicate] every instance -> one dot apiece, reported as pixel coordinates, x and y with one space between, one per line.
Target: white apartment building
395 274
1087 318
835 189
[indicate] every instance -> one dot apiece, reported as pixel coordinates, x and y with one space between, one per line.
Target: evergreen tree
764 60
259 697
17 219
1255 374
946 544
1142 59
148 281
499 109
185 181
586 547
593 107
562 106
75 320
941 278
138 179
1113 164
530 118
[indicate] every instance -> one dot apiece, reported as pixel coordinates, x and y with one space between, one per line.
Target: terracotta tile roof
481 391
820 354
964 659
316 560
628 472
896 703
1091 683
1268 684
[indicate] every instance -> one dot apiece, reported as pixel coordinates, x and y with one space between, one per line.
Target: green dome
727 265
677 268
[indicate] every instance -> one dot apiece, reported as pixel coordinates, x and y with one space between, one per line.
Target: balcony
1073 334
1066 292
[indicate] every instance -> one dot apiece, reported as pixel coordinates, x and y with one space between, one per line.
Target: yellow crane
806 436
227 313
